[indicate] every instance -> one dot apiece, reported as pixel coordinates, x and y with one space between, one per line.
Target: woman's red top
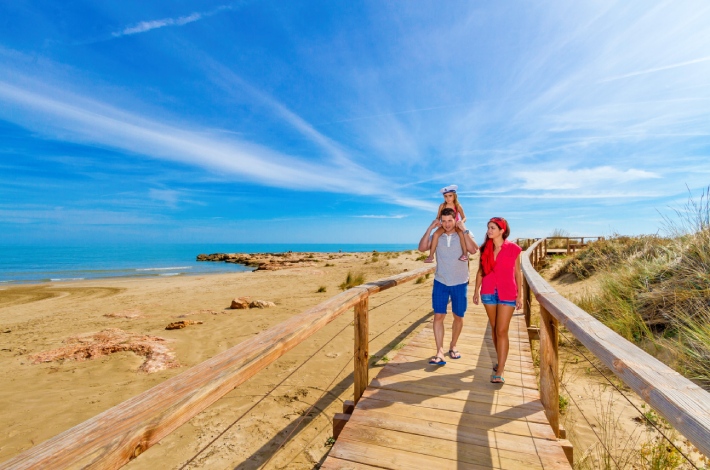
502 277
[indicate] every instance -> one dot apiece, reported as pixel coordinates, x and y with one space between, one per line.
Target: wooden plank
460 406
376 407
391 459
361 355
483 457
551 451
339 422
466 377
333 463
549 369
527 404
685 405
114 437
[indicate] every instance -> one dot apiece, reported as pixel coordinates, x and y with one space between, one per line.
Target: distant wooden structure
450 417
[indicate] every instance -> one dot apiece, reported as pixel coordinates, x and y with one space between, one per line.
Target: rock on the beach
261 304
240 302
177 325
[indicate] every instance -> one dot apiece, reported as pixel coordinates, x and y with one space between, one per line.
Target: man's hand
435 224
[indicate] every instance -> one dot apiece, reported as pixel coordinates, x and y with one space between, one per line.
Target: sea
23 264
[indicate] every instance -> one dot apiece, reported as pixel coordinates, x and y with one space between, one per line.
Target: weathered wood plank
361 355
459 406
117 435
483 457
685 405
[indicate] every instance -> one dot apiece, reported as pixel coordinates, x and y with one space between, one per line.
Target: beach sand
262 418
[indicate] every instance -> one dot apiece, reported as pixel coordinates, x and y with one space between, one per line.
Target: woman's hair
489 246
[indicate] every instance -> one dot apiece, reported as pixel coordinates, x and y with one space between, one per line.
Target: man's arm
425 242
471 244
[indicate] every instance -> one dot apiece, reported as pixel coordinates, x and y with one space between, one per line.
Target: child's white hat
449 189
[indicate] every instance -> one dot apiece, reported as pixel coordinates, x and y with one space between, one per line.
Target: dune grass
352 280
655 291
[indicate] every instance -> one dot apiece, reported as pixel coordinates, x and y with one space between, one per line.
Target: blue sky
334 121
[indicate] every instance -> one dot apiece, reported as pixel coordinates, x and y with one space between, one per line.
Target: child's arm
441 208
463 216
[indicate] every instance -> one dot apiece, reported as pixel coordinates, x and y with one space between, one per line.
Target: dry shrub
91 346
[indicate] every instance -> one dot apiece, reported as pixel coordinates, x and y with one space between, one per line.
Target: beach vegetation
352 280
420 280
653 290
328 265
321 289
421 257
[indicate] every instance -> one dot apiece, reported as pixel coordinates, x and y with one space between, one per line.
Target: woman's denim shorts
492 299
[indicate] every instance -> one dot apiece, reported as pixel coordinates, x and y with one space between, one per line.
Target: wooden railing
567 245
122 433
685 405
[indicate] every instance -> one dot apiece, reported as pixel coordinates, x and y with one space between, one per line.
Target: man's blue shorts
440 298
492 299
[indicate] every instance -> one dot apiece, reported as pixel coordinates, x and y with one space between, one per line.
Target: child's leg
464 256
434 243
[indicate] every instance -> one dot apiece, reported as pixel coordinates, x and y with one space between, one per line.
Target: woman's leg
434 243
504 313
491 312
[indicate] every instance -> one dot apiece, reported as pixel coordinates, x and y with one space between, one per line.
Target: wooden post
549 369
362 339
526 301
567 246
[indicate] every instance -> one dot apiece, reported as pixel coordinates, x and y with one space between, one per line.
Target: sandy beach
247 426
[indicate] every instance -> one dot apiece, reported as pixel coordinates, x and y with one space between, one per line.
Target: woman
499 281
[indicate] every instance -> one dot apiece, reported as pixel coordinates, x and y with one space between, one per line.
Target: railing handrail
119 434
685 405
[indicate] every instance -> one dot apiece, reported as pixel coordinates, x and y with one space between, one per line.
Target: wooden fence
685 405
122 433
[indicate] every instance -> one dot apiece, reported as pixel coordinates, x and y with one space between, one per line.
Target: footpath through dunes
416 415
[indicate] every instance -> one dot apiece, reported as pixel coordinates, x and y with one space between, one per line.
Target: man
450 281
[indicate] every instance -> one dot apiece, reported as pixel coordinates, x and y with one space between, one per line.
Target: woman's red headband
499 222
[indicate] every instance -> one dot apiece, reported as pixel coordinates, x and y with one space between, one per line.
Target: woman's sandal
429 259
463 258
497 379
454 354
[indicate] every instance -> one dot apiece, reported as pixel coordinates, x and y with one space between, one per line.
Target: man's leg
459 304
439 301
439 334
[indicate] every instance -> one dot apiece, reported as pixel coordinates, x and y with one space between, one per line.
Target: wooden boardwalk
414 415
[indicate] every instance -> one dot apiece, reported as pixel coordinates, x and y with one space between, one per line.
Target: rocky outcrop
178 325
240 303
271 261
261 304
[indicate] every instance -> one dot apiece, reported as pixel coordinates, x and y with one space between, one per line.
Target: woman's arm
477 289
519 281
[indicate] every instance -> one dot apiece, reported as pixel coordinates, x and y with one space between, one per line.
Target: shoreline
40 400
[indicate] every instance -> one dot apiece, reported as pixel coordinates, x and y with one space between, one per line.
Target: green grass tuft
352 280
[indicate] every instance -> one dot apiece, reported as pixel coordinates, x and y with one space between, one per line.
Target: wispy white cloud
145 26
582 178
656 69
75 118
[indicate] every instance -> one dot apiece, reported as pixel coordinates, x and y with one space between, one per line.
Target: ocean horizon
25 264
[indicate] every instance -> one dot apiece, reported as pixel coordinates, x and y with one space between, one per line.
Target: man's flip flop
437 361
497 379
454 354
